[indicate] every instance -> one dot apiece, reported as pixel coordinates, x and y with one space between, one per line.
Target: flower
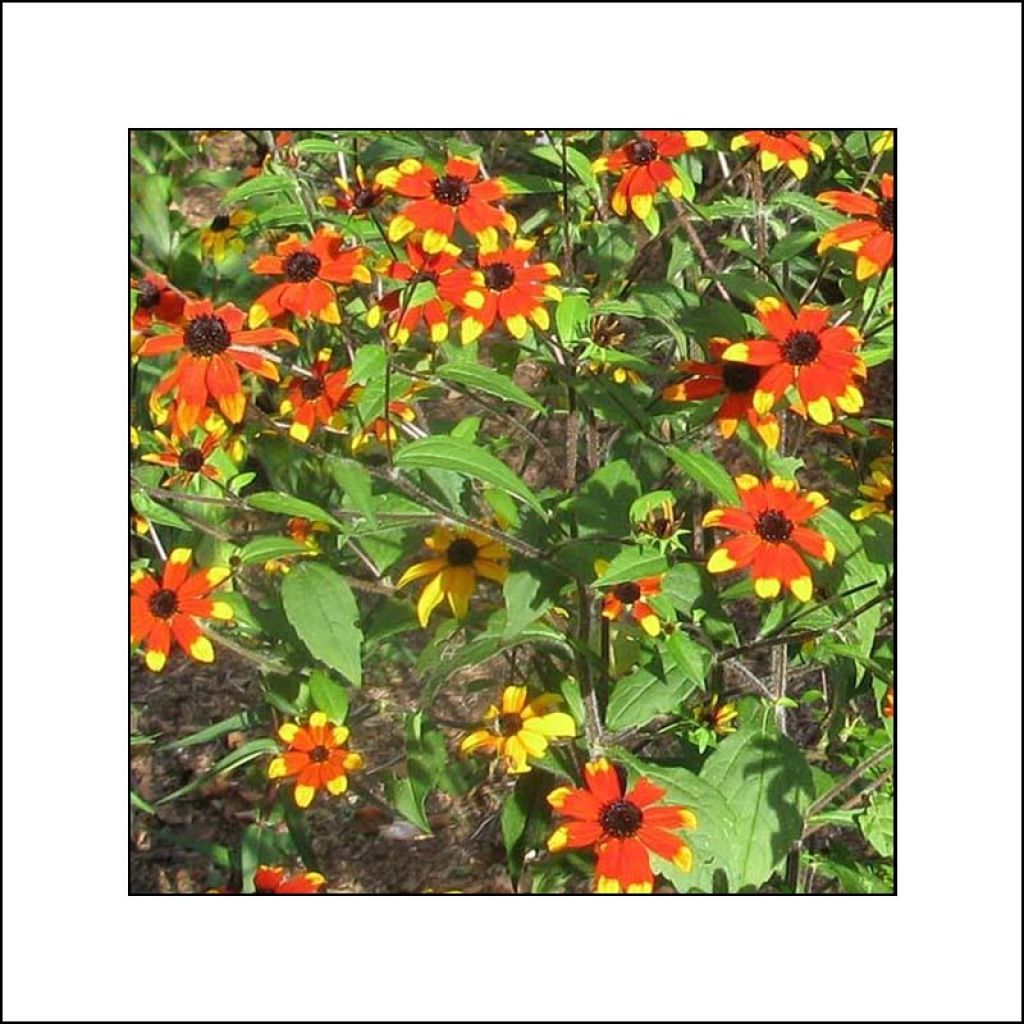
770 522
269 881
160 610
309 270
624 830
208 366
316 398
461 555
889 703
716 717
629 596
506 286
736 383
660 523
607 333
884 141
441 200
303 532
881 490
780 146
186 459
519 729
871 238
156 301
382 429
802 350
646 168
316 756
222 237
356 200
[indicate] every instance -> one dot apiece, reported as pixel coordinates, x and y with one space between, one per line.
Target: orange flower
310 269
273 882
644 162
871 238
186 459
356 200
803 350
208 367
156 301
889 703
780 146
630 596
736 382
767 527
316 756
441 200
317 398
160 610
384 429
624 830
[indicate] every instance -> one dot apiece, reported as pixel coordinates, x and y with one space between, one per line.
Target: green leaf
261 549
320 606
876 824
683 584
137 801
243 755
641 695
528 595
839 530
529 184
692 659
151 509
821 215
524 815
792 245
329 696
745 287
354 479
287 505
707 472
151 215
603 502
571 317
483 378
236 723
425 759
264 184
633 564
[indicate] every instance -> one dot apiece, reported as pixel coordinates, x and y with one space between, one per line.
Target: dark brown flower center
311 388
773 526
621 819
627 593
302 266
508 724
801 348
887 215
191 460
319 754
221 222
462 552
451 190
163 604
499 276
778 133
889 501
364 198
642 152
741 376
149 295
661 527
207 335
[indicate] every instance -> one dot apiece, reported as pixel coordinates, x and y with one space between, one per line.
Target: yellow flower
881 490
716 717
519 730
461 555
222 236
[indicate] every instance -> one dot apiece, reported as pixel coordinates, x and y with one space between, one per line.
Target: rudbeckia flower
629 597
889 703
310 270
806 352
160 610
303 531
316 756
519 729
623 829
357 200
156 301
185 459
460 556
769 528
269 881
780 146
317 398
441 200
716 717
645 168
506 286
209 365
881 490
661 523
736 383
222 237
871 237
382 429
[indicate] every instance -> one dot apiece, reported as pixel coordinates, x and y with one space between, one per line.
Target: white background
75 77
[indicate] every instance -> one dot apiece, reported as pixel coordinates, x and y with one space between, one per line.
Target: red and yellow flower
383 429
316 757
269 881
209 365
356 200
160 610
223 235
631 597
623 829
881 490
769 528
780 146
310 269
186 459
317 398
441 200
717 717
889 703
302 531
156 301
461 555
645 168
519 729
804 351
870 237
735 382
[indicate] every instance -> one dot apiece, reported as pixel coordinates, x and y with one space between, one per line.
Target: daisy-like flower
630 597
357 200
519 729
881 490
717 717
889 703
803 351
506 286
269 881
735 382
310 270
780 146
645 168
317 398
208 366
160 610
441 200
461 555
302 531
871 237
383 429
623 829
223 235
156 301
769 528
660 523
316 757
184 458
